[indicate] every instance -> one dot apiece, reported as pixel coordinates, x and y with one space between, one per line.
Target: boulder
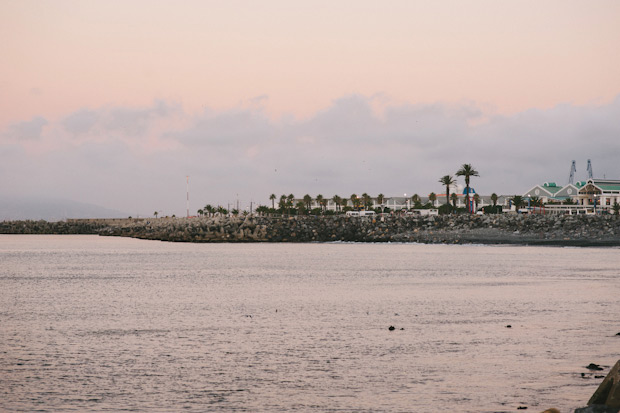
608 392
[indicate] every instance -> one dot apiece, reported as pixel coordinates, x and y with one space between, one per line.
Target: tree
448 181
200 212
308 201
301 207
344 202
155 213
209 209
536 201
324 202
319 200
467 171
518 201
432 197
415 198
353 199
366 200
289 202
454 198
272 197
494 199
222 210
282 204
616 208
337 200
476 201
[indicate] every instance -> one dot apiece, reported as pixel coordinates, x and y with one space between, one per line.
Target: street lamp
595 196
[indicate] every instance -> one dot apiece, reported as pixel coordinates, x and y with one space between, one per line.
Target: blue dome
471 191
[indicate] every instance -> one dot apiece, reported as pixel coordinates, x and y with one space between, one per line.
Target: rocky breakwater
60 227
487 229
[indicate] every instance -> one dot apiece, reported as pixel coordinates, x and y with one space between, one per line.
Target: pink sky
115 102
60 56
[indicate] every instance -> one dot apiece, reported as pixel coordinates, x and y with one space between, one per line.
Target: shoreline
507 229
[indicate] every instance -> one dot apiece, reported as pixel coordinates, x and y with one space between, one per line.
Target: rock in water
608 392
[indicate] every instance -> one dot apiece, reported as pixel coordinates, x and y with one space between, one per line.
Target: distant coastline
563 230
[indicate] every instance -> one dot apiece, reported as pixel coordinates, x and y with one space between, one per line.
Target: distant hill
52 210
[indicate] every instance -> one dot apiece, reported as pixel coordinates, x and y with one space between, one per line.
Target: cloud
348 147
28 130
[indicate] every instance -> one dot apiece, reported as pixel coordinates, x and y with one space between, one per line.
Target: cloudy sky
114 103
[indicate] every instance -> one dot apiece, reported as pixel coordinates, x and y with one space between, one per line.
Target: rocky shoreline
563 230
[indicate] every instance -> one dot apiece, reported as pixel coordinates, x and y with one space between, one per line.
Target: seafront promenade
590 230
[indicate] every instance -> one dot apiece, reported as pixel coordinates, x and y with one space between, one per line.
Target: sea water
101 323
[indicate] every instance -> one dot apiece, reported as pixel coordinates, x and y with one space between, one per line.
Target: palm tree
208 209
273 201
494 199
432 197
476 201
289 201
447 180
518 201
380 199
454 198
367 200
308 201
415 198
354 201
344 202
200 212
301 206
324 202
616 208
282 203
536 201
155 213
319 200
467 170
337 200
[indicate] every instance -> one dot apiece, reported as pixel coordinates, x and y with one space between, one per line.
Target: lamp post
595 196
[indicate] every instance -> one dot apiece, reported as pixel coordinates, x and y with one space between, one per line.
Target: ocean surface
98 323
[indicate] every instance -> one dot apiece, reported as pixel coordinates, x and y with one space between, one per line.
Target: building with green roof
601 193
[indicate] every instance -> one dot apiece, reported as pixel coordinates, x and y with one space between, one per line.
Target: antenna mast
573 169
187 188
589 169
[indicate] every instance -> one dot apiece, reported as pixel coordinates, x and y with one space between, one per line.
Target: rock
508 326
392 328
597 408
608 392
593 366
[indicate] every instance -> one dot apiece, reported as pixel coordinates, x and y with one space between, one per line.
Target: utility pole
187 188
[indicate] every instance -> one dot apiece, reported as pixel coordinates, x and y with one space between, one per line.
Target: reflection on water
99 323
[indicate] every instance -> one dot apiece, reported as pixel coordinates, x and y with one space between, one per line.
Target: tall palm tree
494 199
476 201
380 199
273 200
467 171
200 212
344 202
319 200
308 201
282 203
155 213
454 198
447 180
289 201
337 200
432 197
353 198
367 201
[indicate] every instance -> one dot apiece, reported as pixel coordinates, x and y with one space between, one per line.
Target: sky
115 103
